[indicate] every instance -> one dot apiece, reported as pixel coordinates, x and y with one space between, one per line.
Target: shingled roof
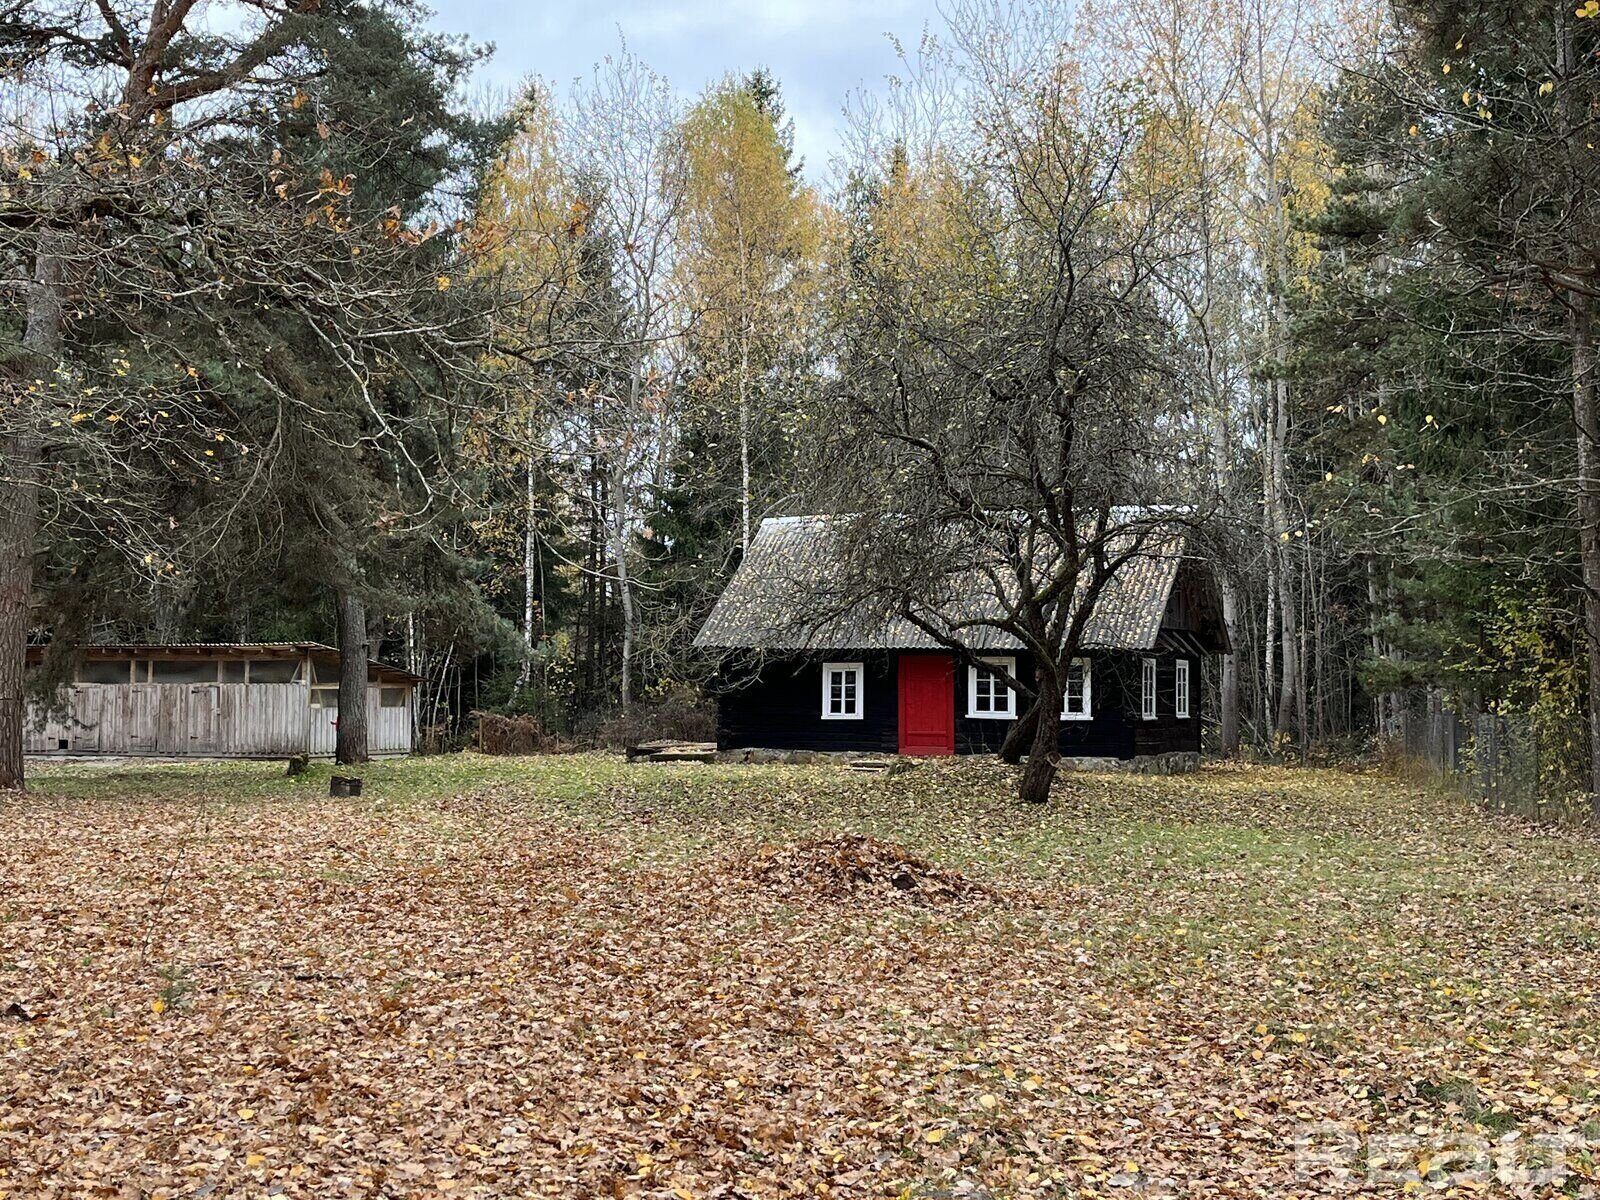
787 578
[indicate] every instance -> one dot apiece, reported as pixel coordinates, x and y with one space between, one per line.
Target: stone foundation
1175 762
755 754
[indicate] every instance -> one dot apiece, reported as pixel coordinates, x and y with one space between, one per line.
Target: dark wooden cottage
862 684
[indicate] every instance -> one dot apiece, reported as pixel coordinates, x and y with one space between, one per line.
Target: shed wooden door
927 704
322 735
205 702
143 719
88 702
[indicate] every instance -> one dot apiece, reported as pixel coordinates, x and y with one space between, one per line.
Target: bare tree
1271 118
1183 52
1003 411
620 139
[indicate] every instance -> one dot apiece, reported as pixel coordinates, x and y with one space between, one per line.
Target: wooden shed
217 700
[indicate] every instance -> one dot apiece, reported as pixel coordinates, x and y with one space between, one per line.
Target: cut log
344 785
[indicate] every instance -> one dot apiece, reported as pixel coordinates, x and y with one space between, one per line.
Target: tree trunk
1269 646
19 507
530 546
20 459
1316 586
1230 669
1380 711
1587 420
744 444
1287 723
1020 736
1044 753
1221 456
350 745
629 620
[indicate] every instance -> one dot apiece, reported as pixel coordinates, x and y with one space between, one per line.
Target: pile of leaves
854 866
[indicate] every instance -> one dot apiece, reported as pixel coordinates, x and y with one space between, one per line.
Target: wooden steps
673 752
880 766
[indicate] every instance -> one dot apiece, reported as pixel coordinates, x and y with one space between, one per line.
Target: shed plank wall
225 720
388 729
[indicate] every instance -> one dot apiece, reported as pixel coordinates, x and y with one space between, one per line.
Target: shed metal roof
266 649
792 572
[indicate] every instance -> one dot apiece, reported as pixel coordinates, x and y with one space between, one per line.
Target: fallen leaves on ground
574 977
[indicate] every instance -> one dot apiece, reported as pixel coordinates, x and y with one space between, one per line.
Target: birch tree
750 236
621 141
1191 148
531 222
1273 91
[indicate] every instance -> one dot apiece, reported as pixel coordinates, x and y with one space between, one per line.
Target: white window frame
1088 693
828 669
1009 666
1147 689
1180 688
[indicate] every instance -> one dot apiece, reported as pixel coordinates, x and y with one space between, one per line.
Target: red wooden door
927 704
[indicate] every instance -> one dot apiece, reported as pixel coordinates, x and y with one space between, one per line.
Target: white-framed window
1077 702
842 698
1180 688
987 693
1147 689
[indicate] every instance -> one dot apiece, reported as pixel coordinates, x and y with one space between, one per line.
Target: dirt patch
855 866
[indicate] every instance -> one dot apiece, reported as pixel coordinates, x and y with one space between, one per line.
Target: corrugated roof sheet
246 647
791 574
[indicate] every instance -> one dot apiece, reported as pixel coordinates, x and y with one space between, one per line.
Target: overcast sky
820 50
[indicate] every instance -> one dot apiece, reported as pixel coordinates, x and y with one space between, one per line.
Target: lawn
570 976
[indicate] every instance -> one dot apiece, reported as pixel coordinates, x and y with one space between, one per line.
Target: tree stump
298 764
344 785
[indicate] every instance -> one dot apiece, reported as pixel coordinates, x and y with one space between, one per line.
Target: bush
514 734
680 714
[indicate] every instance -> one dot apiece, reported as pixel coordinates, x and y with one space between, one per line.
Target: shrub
679 714
516 733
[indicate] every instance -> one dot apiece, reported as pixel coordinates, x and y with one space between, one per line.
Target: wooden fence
223 720
1495 758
